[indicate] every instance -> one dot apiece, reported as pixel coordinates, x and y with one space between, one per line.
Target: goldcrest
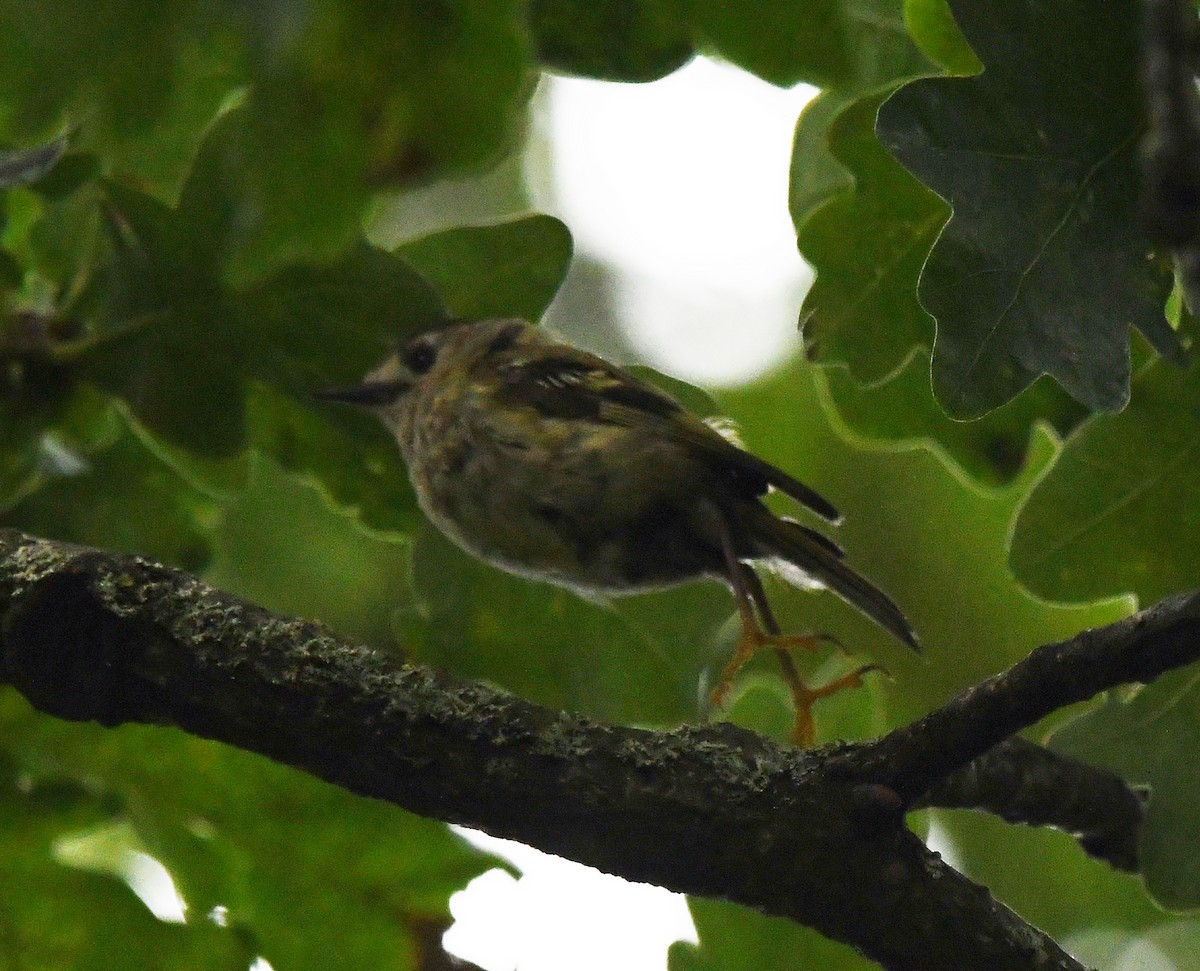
554 464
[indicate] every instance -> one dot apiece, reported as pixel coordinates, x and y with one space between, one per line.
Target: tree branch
1139 648
1024 783
817 836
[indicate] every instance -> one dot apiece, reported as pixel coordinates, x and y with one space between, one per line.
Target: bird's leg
756 614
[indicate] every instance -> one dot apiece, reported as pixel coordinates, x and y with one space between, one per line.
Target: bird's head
435 358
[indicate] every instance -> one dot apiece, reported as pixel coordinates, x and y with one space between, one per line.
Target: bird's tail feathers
820 559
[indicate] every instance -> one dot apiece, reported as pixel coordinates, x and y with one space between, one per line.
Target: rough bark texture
817 836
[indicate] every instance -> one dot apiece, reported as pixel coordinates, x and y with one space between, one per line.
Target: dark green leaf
23 166
280 544
508 270
1117 512
849 46
1152 740
339 97
346 453
617 40
69 174
187 372
1037 159
864 223
11 272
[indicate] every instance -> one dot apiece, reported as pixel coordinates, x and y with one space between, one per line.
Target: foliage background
192 243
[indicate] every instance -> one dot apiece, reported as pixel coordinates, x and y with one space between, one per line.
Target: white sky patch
682 187
152 882
560 915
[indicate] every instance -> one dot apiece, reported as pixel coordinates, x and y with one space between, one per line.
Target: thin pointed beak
371 394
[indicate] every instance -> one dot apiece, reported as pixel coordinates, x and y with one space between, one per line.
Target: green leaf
616 40
1037 157
512 269
1117 512
276 849
1043 875
863 223
68 174
205 350
23 166
992 449
347 454
933 29
862 310
734 938
1152 740
187 373
816 175
848 46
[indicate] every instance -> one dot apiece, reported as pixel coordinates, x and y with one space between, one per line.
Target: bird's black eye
420 354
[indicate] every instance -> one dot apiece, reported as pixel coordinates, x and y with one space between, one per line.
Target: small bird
551 463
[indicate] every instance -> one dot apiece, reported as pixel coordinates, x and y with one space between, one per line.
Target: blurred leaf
862 309
68 175
122 498
734 938
279 544
143 112
23 166
353 97
848 46
278 850
340 98
512 269
57 918
47 430
992 449
187 373
1152 740
616 40
1044 876
1037 157
1117 512
638 660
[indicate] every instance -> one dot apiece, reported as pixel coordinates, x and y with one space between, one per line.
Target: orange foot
754 640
